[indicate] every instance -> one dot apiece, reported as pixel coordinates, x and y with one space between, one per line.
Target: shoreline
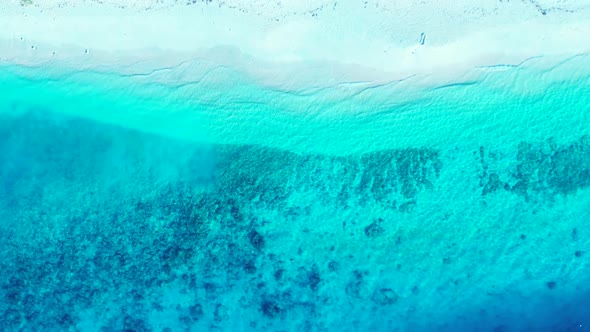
292 53
225 93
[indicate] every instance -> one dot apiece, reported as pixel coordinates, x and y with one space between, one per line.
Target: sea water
140 202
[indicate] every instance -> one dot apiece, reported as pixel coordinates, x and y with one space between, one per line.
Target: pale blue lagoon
137 201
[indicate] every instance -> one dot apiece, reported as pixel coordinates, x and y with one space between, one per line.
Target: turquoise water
167 203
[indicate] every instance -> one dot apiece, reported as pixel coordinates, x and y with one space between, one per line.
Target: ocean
164 201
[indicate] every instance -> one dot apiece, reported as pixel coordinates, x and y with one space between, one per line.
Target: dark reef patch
543 170
384 296
269 176
553 169
256 239
374 229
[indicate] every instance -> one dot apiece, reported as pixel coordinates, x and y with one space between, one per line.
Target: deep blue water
108 227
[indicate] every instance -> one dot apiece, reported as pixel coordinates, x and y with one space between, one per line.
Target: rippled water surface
138 206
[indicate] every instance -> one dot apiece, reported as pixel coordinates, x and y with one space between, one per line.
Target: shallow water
128 203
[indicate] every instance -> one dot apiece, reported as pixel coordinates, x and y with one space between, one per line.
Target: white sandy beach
294 43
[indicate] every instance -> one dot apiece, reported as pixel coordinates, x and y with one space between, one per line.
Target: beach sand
287 43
